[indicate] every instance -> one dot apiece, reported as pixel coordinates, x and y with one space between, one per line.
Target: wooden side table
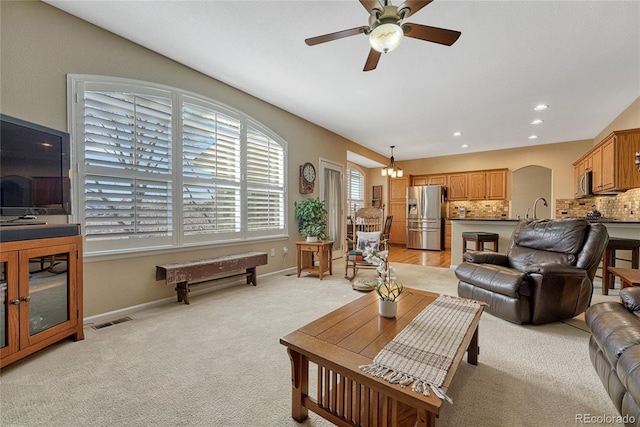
305 251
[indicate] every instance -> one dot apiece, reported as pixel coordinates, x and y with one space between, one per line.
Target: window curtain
332 198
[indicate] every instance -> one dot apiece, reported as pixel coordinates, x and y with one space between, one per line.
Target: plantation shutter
127 161
158 167
355 190
211 171
265 182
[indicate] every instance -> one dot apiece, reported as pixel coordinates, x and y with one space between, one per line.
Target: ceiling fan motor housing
387 16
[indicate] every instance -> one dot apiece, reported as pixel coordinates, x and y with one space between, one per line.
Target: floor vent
113 322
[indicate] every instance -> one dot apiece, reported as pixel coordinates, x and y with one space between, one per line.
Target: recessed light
533 137
457 133
541 107
465 146
537 122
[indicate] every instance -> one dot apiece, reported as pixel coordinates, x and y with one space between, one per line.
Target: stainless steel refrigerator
425 217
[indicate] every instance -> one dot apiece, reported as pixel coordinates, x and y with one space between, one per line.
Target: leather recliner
546 275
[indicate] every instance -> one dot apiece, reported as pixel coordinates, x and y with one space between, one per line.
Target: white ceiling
580 57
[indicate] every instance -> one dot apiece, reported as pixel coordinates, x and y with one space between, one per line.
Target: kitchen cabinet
497 184
419 180
397 208
457 186
477 185
488 185
41 291
399 224
612 163
474 185
584 164
398 189
447 234
608 164
429 180
438 180
596 177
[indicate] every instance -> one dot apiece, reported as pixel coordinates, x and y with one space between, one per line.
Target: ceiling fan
386 29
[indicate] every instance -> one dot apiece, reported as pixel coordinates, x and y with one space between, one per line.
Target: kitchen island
504 228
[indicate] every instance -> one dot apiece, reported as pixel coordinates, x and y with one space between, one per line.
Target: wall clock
307 178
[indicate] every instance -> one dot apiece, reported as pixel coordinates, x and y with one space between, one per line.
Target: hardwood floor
398 253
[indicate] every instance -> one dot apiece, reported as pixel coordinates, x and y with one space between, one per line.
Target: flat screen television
35 169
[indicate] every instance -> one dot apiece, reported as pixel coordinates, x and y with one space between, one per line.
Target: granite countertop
598 220
485 219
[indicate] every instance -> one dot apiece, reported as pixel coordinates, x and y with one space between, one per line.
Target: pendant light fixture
392 170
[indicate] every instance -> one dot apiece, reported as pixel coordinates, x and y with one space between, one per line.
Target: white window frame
76 86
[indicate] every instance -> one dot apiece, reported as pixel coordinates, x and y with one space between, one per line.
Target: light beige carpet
218 362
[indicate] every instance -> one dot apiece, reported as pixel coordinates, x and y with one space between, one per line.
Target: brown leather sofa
614 349
545 276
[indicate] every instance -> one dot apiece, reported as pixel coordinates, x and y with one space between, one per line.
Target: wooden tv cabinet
40 288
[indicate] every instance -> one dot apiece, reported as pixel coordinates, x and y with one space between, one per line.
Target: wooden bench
191 273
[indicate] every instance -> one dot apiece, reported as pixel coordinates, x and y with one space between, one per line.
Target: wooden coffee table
339 342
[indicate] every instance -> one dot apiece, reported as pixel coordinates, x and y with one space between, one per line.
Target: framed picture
376 199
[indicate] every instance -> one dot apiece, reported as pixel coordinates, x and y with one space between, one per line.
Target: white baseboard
116 314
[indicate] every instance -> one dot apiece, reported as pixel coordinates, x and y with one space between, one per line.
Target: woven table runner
423 352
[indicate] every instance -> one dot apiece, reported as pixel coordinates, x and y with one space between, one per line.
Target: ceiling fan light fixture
385 37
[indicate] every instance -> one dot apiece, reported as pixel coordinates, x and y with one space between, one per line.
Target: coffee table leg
299 385
472 351
426 419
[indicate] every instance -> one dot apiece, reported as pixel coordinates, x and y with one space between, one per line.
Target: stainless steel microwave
584 184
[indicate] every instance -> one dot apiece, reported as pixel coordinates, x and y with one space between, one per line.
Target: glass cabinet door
46 292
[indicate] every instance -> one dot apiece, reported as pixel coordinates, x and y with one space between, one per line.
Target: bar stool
609 259
480 238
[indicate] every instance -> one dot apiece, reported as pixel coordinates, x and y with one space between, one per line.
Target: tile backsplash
485 209
622 207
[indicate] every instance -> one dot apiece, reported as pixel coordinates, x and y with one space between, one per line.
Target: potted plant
312 218
386 287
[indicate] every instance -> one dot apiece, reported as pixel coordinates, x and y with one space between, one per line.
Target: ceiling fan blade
371 4
337 35
413 6
372 60
431 34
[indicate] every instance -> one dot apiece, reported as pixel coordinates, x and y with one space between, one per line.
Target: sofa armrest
481 257
549 269
630 299
558 291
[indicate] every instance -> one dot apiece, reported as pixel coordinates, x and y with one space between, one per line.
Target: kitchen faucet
536 202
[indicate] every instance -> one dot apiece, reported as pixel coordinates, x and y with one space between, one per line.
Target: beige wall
40 45
628 119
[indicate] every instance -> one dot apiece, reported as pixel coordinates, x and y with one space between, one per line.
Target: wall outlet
273 251
285 250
